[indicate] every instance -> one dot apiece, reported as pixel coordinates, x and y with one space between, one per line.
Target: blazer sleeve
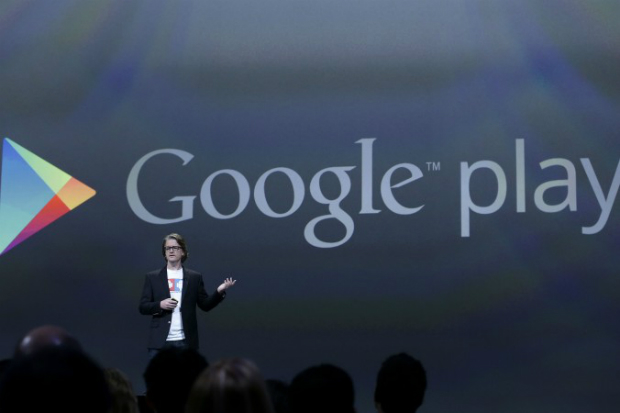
205 301
148 305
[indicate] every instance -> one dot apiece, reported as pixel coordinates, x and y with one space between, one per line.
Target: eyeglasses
175 248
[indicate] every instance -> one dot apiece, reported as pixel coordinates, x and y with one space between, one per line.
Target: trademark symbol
433 166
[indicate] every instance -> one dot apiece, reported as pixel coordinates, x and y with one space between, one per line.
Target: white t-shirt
175 284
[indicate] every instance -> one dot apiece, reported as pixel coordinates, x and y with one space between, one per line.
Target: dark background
522 316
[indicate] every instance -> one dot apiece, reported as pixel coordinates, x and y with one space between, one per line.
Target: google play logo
33 194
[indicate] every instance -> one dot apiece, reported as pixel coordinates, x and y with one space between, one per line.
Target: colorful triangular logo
33 194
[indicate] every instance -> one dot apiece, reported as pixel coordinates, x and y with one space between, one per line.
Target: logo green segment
33 194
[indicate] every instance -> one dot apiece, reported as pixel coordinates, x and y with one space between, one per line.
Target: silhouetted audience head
169 377
54 379
324 388
230 386
278 393
4 365
43 337
124 399
401 384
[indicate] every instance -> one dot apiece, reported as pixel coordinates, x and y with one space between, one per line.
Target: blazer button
168 322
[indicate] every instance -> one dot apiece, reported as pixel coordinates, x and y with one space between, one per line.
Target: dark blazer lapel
186 282
163 281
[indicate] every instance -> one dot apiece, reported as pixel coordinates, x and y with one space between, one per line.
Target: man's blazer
193 295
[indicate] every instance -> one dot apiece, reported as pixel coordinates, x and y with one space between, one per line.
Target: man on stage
170 297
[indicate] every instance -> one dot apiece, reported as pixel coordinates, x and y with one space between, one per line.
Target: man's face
174 253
